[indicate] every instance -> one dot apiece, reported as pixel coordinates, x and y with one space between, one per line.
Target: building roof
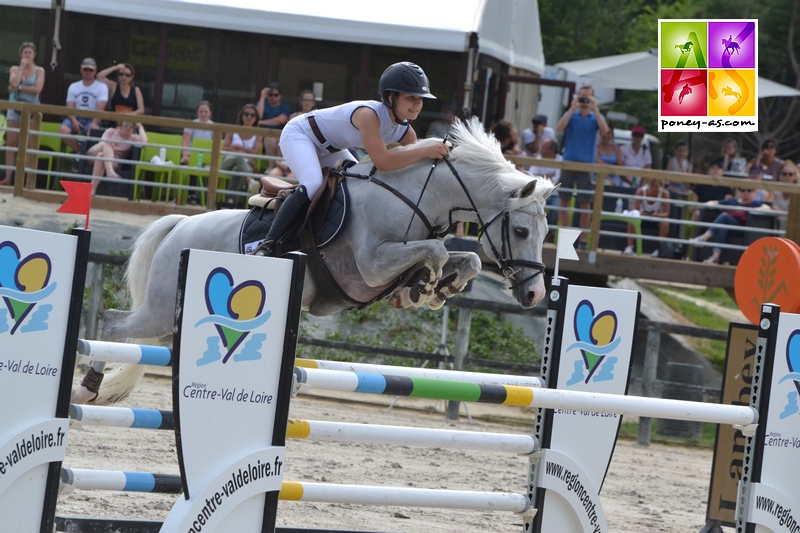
507 29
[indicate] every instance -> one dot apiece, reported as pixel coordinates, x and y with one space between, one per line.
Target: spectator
788 175
25 83
508 137
607 153
766 159
762 195
203 113
88 94
532 138
733 217
706 193
125 96
680 163
649 202
440 128
549 149
580 122
731 160
274 115
109 148
307 102
245 144
636 155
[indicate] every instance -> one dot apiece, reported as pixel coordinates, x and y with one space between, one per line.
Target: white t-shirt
87 97
336 125
528 136
636 159
553 173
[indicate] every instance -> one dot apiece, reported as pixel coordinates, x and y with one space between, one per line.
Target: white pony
476 184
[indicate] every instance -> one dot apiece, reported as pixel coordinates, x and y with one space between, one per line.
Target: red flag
79 199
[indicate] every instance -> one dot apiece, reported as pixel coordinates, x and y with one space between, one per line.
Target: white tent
639 72
507 29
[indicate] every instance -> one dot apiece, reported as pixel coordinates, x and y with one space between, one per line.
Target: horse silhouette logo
235 311
727 91
684 92
730 46
24 284
793 362
596 336
685 48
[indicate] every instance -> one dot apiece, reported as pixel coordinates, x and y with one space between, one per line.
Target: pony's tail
142 256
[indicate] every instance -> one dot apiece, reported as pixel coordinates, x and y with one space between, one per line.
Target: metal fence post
461 350
648 380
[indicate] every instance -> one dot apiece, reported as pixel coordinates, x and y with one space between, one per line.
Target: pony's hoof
436 302
82 395
399 300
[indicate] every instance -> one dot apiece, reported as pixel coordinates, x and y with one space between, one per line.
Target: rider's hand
437 151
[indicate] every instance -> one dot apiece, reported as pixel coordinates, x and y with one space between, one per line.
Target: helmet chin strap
405 122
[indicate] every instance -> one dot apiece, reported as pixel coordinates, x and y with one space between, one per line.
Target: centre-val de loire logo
596 335
235 311
24 284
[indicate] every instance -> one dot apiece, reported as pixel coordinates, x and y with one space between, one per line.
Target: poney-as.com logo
596 336
24 283
793 361
235 311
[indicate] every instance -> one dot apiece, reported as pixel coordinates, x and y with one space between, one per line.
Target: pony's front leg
393 258
459 269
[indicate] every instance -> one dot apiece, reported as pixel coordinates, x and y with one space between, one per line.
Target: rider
320 138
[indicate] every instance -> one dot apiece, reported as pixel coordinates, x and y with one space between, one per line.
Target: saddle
326 216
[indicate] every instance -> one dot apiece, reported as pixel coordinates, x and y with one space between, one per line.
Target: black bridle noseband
504 258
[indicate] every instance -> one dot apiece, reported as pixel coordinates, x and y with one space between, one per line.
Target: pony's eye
521 232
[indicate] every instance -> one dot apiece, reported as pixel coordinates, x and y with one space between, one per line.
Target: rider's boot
291 213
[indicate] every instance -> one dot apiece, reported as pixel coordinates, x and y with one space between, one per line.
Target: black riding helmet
404 77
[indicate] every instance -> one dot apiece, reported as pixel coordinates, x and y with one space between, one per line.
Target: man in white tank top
320 138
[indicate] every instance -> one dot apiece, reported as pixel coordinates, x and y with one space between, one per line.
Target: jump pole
82 479
323 431
565 400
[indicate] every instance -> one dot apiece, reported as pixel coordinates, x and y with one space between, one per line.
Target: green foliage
630 430
491 336
715 295
713 350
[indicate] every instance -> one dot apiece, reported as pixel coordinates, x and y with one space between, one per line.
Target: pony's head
491 173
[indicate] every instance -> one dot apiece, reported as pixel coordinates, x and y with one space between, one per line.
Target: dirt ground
654 489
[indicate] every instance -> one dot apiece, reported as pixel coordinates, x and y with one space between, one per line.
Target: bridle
509 266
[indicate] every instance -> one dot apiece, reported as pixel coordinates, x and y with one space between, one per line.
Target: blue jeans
721 234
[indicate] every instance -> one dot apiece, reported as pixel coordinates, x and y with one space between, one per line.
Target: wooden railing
793 190
31 119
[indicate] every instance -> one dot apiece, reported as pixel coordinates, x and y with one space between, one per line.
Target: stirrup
266 249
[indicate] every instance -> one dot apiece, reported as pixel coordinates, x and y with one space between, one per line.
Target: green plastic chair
54 144
163 173
202 173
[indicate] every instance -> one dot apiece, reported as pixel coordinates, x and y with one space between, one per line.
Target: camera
583 100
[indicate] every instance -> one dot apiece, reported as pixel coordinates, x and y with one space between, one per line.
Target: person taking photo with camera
580 123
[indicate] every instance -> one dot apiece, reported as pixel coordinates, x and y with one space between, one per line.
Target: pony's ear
526 190
555 188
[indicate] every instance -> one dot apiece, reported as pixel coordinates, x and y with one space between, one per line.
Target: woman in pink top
108 148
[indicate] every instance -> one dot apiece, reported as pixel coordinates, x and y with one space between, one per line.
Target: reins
504 258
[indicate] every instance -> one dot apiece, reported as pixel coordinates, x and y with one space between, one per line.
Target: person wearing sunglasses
89 94
243 143
125 96
768 161
321 138
25 83
788 174
273 115
734 217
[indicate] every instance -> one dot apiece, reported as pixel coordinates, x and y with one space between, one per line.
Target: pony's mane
491 174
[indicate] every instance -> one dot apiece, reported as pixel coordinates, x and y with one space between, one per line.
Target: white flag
566 244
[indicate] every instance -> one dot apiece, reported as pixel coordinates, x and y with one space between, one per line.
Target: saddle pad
257 222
